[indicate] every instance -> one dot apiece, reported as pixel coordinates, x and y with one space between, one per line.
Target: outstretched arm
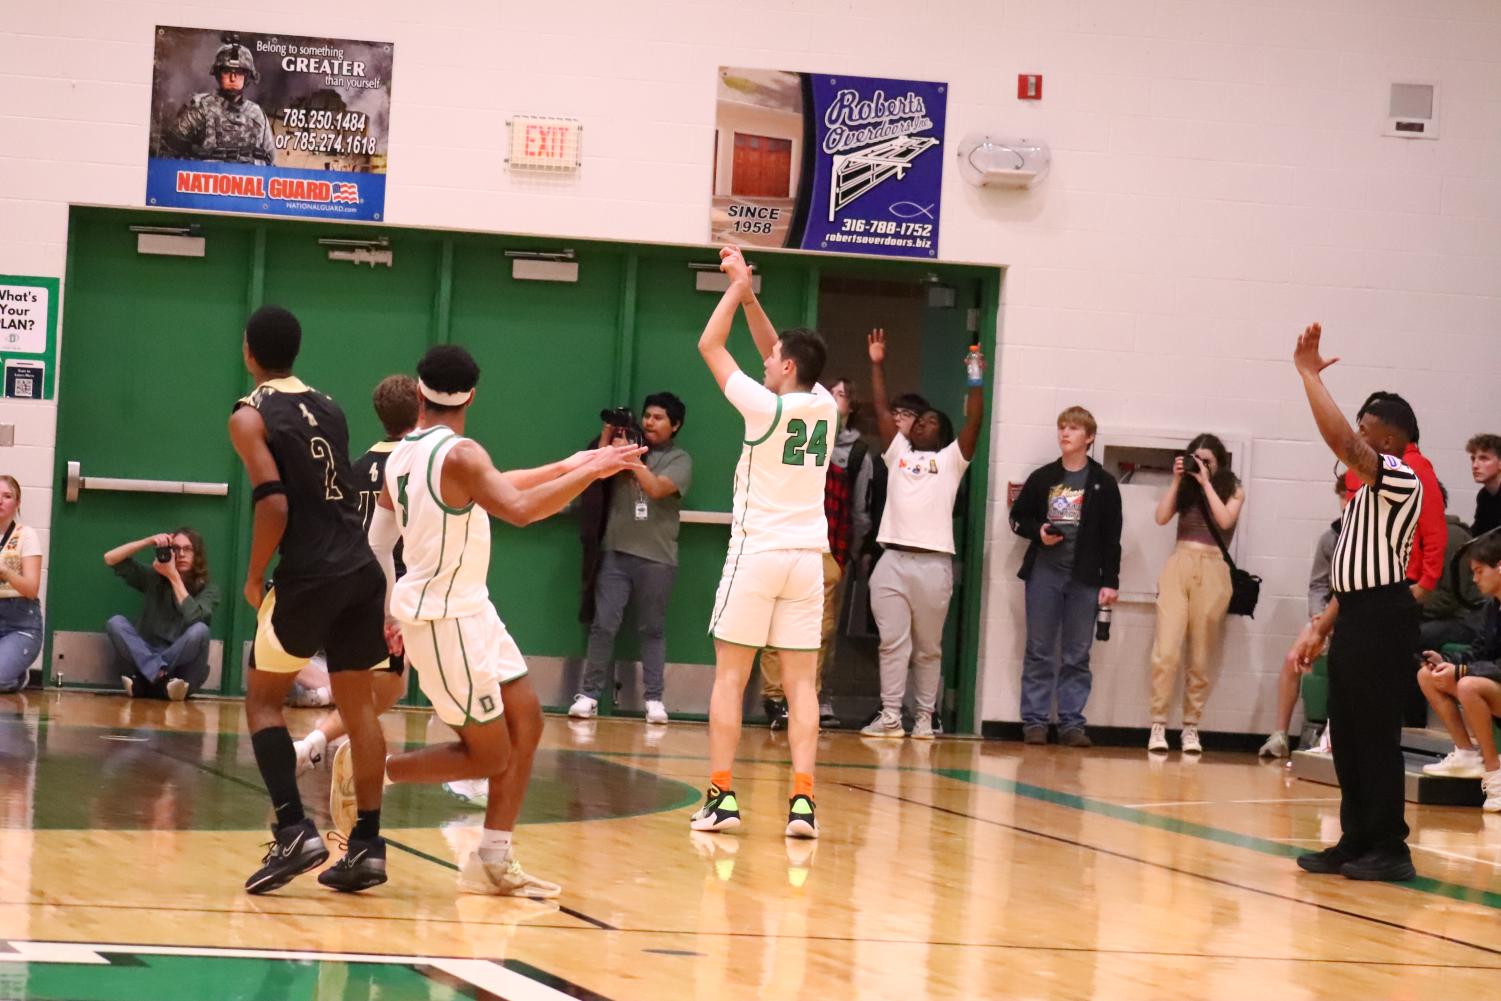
974 417
885 423
470 472
711 343
1341 438
732 262
248 434
523 479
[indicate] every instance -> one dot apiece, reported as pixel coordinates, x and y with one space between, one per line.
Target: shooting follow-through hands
732 263
612 459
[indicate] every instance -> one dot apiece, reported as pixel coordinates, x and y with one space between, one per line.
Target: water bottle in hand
974 366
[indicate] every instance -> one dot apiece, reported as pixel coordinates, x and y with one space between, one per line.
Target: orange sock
802 784
721 781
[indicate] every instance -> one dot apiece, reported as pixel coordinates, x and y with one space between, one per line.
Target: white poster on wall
23 318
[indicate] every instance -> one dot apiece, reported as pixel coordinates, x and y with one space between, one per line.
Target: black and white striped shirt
1375 537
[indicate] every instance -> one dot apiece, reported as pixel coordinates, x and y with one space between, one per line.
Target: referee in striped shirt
1374 621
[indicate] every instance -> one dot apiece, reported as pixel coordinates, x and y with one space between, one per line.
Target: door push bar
77 483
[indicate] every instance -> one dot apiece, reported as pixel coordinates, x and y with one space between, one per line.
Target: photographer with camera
1193 591
164 653
629 527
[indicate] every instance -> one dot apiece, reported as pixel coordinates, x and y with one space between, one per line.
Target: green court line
1043 794
1174 825
1131 815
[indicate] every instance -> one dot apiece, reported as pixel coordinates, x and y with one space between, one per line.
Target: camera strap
6 537
1214 530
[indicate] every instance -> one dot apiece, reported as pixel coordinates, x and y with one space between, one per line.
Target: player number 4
800 444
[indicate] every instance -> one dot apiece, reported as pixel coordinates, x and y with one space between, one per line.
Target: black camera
1190 464
163 554
623 419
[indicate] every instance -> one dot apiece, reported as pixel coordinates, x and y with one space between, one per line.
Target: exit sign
539 143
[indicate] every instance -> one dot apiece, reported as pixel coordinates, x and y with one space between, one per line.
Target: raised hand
1306 356
732 263
875 344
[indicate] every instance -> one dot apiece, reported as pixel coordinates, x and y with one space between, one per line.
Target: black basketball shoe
296 849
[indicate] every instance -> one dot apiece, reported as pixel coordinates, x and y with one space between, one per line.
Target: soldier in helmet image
223 125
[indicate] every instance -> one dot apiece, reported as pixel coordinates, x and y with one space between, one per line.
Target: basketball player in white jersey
771 593
440 491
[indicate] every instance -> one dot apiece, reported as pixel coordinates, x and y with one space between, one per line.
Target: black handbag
1245 587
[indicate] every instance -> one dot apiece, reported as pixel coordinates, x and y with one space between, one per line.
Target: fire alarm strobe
1029 87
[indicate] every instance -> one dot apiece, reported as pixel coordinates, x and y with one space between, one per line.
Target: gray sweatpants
909 596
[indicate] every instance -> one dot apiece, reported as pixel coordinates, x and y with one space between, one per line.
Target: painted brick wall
1219 180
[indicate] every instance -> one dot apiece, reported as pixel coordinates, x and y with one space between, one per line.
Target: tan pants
771 660
1193 595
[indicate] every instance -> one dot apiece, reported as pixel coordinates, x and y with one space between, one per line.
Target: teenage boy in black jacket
1070 510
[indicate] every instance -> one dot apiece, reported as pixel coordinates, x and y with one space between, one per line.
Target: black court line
596 922
835 939
235 779
1330 908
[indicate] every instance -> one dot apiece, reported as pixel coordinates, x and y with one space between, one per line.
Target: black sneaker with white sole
363 866
296 849
720 812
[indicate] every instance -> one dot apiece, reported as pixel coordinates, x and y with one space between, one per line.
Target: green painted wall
151 365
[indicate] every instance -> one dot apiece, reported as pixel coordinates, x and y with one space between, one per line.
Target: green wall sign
28 336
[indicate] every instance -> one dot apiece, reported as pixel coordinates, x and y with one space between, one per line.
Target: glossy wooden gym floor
953 869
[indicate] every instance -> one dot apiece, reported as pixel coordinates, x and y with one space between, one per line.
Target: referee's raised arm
1342 439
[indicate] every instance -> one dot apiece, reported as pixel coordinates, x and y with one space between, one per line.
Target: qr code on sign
25 386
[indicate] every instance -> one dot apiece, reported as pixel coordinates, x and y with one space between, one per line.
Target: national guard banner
848 164
276 124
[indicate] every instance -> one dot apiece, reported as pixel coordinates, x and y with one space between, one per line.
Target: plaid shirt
838 510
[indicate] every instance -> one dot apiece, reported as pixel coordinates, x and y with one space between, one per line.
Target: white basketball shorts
770 599
462 664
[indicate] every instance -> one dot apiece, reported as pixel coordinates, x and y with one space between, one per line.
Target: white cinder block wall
1219 180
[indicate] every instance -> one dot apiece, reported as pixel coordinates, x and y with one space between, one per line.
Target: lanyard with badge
641 510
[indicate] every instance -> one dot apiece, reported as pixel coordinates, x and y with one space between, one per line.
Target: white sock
494 846
316 743
385 774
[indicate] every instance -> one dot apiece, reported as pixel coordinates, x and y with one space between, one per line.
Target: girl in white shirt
20 583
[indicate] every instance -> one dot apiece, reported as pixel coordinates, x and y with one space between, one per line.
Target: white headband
444 399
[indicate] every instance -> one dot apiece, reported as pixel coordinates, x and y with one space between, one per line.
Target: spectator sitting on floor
20 583
1472 679
164 653
1290 681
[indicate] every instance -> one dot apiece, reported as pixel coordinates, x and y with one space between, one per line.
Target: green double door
151 366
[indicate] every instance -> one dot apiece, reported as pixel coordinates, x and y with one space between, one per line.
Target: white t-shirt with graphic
23 542
779 480
920 491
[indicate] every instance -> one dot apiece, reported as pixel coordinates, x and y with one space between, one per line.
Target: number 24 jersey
779 480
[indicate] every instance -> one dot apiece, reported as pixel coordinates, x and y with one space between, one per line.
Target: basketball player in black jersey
395 401
328 594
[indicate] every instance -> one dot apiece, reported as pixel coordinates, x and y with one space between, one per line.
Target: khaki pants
1193 595
771 660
